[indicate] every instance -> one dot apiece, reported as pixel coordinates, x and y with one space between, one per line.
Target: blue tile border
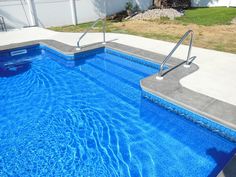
132 58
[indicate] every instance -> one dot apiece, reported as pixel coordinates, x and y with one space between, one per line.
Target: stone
157 14
233 21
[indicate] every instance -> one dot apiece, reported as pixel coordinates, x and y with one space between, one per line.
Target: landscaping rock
157 14
233 21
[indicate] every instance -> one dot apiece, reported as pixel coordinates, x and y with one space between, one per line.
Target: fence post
73 12
229 3
32 13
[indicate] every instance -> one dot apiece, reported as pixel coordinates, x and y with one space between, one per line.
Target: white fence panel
89 10
53 12
86 11
232 3
48 13
14 14
213 3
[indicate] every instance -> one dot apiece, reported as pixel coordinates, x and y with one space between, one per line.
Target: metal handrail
187 63
90 28
3 24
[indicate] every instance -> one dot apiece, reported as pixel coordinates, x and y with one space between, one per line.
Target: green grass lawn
209 16
204 22
84 26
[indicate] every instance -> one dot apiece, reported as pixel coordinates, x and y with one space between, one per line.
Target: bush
129 6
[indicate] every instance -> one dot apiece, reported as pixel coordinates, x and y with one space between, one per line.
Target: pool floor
91 120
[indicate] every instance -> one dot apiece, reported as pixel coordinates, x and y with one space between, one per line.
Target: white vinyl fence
46 13
213 3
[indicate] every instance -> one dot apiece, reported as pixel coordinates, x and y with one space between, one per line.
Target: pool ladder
3 24
103 20
187 62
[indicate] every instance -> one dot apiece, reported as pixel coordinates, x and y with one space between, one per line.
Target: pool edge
169 88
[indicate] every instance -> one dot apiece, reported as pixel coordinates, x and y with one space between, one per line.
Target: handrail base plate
187 65
159 77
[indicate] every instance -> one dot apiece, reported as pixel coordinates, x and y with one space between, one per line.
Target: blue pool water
88 118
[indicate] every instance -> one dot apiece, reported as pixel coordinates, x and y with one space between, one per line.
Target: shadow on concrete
230 169
221 158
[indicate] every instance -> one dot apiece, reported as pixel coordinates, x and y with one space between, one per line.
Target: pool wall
30 50
217 128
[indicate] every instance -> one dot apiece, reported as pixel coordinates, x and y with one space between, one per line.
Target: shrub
175 3
129 6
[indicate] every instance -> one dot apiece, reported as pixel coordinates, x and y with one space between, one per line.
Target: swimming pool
60 117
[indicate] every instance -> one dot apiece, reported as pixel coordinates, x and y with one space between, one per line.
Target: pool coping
169 88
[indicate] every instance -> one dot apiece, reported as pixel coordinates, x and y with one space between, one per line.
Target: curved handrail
3 24
189 32
90 28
